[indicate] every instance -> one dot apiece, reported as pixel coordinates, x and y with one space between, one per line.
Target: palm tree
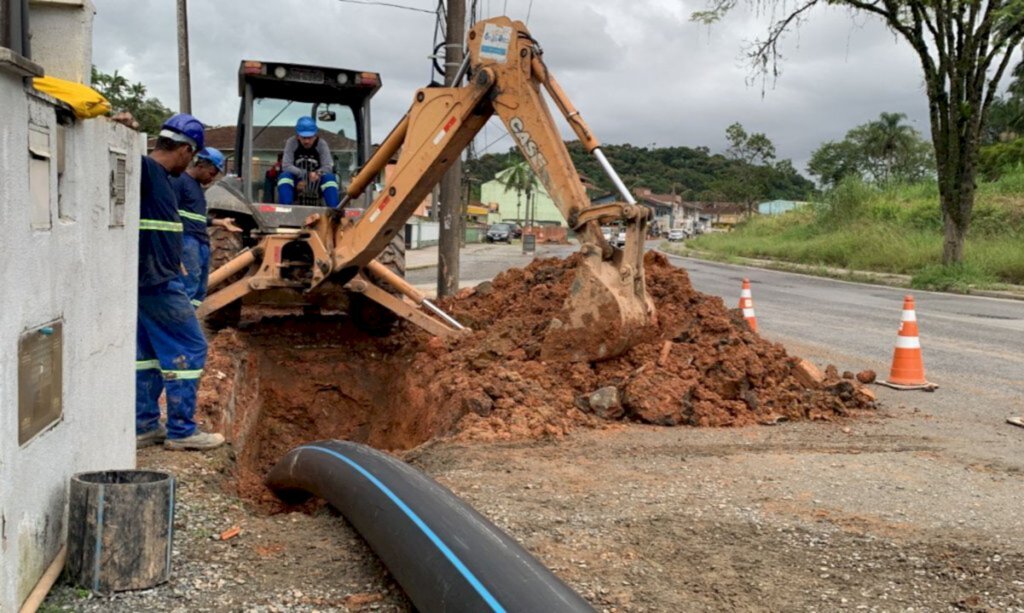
886 139
519 177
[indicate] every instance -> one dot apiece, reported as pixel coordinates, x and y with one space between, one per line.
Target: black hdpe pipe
445 555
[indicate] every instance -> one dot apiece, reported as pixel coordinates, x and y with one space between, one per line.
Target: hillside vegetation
896 229
694 173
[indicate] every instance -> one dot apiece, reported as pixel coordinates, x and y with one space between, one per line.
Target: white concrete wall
62 37
80 271
424 233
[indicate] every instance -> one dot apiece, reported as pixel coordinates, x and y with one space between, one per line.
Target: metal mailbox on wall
40 376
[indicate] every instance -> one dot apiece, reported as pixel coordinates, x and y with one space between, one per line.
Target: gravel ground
802 517
918 509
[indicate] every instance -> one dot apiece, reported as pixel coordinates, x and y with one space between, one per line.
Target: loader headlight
342 78
280 72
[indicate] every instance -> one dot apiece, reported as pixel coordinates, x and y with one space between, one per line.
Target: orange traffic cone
907 372
747 305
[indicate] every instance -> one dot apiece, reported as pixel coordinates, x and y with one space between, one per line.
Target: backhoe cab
273 95
608 310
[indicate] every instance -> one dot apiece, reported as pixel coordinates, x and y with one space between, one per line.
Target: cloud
640 72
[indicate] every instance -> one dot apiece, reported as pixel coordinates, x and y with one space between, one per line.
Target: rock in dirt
808 374
605 403
866 376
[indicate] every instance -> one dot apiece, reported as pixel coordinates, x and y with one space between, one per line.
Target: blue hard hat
213 156
306 126
184 128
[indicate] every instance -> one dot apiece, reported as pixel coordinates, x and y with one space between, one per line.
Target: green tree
964 47
1005 120
881 151
519 178
834 161
131 97
748 178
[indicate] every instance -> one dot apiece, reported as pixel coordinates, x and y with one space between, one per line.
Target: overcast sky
639 71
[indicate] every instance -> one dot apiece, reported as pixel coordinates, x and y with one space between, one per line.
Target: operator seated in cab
307 165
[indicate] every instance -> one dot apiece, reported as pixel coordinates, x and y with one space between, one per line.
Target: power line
390 5
528 9
493 142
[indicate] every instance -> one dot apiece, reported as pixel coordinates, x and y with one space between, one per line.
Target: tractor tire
393 256
369 316
224 246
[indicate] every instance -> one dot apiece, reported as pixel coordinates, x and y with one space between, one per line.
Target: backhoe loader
608 309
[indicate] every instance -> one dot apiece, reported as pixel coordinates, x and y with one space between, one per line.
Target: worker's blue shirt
160 228
191 206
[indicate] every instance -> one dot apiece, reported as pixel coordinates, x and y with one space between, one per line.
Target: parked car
499 233
517 230
620 239
676 234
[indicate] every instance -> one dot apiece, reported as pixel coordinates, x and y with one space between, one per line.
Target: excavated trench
291 380
287 380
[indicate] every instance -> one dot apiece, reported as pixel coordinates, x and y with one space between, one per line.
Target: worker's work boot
153 437
200 441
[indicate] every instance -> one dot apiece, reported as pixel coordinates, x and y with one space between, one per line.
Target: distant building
778 207
511 205
723 214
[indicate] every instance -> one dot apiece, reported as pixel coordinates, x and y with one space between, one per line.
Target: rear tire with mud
224 246
369 316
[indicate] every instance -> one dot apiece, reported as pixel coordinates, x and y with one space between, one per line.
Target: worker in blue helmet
307 166
170 346
189 188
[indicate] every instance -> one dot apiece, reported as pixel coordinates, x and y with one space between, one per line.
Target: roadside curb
843 274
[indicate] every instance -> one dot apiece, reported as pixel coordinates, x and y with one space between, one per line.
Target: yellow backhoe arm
608 309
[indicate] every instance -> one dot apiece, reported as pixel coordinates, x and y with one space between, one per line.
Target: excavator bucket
608 310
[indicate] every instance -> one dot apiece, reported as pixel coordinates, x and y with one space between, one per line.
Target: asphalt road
973 347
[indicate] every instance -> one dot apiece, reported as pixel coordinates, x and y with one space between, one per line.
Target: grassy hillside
897 229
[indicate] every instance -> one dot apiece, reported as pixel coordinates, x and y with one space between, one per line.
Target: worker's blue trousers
328 189
195 257
170 355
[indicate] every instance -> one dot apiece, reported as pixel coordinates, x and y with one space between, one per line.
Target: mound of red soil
290 380
703 368
322 378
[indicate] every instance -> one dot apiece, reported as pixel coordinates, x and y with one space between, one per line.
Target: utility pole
184 79
451 184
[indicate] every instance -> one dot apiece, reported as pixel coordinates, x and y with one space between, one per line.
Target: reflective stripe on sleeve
333 184
162 226
285 181
192 216
147 365
196 303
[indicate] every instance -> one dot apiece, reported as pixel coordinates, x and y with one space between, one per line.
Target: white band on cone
746 294
908 342
909 315
748 313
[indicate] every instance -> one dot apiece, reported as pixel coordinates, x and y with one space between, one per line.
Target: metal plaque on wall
40 376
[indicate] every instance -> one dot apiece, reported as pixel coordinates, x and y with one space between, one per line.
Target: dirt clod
866 376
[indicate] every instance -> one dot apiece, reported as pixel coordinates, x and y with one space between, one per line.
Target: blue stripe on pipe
448 553
170 529
98 550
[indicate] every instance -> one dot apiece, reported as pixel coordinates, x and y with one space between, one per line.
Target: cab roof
307 83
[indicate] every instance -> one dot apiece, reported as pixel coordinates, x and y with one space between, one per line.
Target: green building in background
512 206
